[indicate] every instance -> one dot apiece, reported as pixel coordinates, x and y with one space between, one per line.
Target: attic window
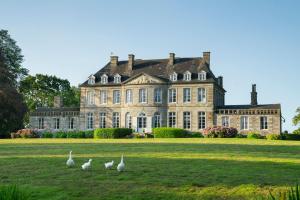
187 76
117 78
104 79
91 80
173 76
202 76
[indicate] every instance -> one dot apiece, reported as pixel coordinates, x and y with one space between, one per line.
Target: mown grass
155 168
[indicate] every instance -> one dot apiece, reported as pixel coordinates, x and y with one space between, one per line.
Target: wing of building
143 94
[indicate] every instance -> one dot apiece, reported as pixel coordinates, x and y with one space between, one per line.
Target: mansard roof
159 68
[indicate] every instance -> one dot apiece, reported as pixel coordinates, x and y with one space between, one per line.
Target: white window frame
187 96
173 76
143 95
129 96
172 119
116 120
202 76
201 95
91 80
117 78
116 96
225 120
187 76
90 121
157 95
186 120
103 97
104 79
244 123
264 124
172 95
71 123
102 120
201 120
128 120
41 124
157 120
56 123
90 95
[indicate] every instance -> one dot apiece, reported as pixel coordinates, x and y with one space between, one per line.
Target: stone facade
137 94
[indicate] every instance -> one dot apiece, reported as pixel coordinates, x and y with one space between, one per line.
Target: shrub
60 134
139 135
13 192
112 132
290 136
76 134
26 133
240 135
195 135
149 135
253 135
297 131
47 135
165 132
89 134
220 132
273 137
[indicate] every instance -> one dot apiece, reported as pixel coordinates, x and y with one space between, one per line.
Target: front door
141 123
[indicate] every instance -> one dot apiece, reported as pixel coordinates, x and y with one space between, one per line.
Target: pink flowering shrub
220 132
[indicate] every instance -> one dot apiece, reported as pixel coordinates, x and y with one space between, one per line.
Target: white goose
109 165
121 165
87 165
70 162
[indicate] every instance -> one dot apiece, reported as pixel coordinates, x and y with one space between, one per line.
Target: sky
250 41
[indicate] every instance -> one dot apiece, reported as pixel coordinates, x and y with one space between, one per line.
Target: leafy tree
296 121
39 91
11 57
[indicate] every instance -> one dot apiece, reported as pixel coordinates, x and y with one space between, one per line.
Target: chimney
220 81
206 57
171 59
58 102
130 62
254 95
114 61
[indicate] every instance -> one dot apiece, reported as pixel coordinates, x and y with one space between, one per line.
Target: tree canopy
296 119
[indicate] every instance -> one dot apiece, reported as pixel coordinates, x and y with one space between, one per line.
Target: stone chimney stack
113 61
58 102
254 95
220 81
206 57
130 62
171 59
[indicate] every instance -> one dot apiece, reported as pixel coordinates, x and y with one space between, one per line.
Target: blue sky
250 41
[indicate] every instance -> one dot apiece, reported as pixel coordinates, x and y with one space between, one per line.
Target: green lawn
155 168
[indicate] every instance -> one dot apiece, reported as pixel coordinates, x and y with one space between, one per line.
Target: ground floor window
116 120
225 121
186 120
56 123
142 120
156 120
201 120
244 123
128 120
90 121
71 122
172 119
263 122
102 120
41 123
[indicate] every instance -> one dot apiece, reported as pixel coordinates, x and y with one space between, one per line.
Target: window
71 122
263 123
56 123
104 79
142 96
201 95
116 96
116 120
90 121
142 120
244 123
173 76
128 96
201 120
128 120
172 95
186 95
117 78
102 119
103 97
172 119
186 120
41 123
156 120
202 76
187 76
90 97
225 121
91 80
157 95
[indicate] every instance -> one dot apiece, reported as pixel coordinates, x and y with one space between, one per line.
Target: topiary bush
220 132
112 132
273 137
166 132
253 135
47 135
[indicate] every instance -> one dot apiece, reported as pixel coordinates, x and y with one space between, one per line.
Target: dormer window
104 79
91 80
187 76
173 76
202 76
117 78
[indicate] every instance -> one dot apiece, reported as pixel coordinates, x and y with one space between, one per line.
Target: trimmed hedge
195 135
165 132
112 132
290 136
47 135
70 134
273 137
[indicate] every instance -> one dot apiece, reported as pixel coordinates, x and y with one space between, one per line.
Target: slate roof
262 106
158 68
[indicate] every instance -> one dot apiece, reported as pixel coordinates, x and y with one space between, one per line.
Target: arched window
128 120
91 80
117 78
202 76
173 76
104 79
156 120
187 76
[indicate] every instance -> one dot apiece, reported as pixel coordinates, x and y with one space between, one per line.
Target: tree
39 91
296 119
11 57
